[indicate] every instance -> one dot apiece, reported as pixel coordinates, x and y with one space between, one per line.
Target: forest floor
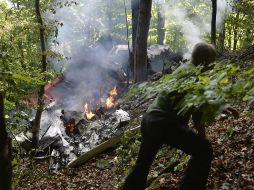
232 166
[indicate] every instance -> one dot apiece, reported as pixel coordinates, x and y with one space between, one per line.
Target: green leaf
204 79
19 77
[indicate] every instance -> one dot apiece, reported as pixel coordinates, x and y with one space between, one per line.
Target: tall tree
5 151
222 37
140 53
229 38
213 23
160 25
240 23
135 13
236 31
40 102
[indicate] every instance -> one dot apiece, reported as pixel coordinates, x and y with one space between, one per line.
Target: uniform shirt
166 104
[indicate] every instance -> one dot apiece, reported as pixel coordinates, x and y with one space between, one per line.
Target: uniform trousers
158 129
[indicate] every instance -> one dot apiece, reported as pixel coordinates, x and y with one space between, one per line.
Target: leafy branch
207 91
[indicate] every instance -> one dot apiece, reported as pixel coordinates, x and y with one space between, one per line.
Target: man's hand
229 110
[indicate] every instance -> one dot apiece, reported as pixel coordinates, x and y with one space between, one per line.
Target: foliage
173 155
128 150
209 91
239 24
236 29
20 72
20 62
195 10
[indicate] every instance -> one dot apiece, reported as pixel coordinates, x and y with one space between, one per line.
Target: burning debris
90 134
82 111
88 114
110 101
66 134
104 104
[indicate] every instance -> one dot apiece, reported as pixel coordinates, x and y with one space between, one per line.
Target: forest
126 94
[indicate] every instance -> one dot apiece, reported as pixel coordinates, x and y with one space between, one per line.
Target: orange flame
89 114
110 101
113 92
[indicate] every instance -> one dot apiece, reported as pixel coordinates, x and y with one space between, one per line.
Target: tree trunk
229 38
5 151
235 38
222 37
36 127
236 32
247 37
135 13
213 23
160 26
140 53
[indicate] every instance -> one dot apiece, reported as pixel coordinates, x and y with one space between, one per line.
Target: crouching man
162 125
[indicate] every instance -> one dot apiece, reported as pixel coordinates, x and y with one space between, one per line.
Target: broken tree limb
146 100
98 149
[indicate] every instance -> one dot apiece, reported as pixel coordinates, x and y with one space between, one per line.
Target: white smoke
223 9
8 3
87 70
78 20
194 26
85 22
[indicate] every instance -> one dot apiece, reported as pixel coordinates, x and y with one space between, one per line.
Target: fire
110 101
107 103
89 114
113 92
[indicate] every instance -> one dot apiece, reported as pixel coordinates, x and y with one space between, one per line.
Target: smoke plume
87 69
194 25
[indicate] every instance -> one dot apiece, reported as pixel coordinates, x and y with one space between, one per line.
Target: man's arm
197 124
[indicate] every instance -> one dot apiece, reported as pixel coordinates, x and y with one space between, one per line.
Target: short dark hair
203 54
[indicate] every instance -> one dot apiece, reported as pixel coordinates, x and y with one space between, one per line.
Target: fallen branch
146 100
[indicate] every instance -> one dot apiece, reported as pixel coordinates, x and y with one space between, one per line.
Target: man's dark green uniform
166 103
163 125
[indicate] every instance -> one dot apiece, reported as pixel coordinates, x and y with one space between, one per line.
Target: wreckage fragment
71 136
98 149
